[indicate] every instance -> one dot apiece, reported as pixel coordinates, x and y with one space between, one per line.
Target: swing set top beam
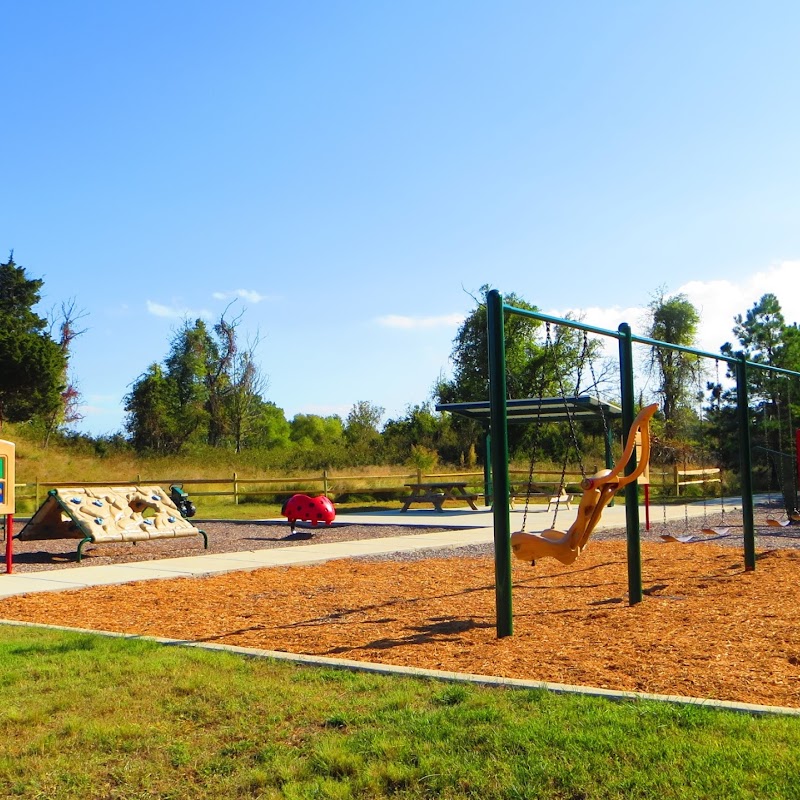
531 409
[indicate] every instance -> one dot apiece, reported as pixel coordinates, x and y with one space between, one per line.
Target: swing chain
572 431
536 430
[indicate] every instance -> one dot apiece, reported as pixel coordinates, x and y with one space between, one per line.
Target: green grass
95 717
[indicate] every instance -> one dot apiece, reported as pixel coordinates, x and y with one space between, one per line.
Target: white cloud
175 312
250 295
718 302
417 323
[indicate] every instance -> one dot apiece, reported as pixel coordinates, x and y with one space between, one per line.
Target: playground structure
7 496
180 498
499 418
108 514
598 490
308 509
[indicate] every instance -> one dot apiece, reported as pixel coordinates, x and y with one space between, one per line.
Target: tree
470 355
150 408
423 427
234 384
65 321
208 391
536 365
34 366
765 338
309 430
362 432
674 320
271 429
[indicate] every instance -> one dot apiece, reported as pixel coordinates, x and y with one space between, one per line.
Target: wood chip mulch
706 627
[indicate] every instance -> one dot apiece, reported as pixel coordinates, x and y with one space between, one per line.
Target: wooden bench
532 491
526 492
559 500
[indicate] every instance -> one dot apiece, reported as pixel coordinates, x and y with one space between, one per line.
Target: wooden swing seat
566 546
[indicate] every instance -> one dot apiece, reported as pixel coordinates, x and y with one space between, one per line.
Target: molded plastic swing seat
566 546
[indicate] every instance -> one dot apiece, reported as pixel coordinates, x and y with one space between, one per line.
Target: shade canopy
532 409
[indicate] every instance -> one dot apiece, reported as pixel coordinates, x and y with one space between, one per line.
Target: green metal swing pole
745 457
633 537
499 466
487 460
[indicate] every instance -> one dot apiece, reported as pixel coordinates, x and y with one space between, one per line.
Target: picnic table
437 493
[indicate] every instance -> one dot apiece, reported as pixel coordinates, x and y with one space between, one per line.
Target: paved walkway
469 528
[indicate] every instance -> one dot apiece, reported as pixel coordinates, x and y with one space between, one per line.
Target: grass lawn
89 716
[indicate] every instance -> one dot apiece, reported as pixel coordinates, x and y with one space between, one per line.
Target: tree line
209 391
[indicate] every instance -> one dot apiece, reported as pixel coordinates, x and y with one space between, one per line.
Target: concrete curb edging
433 674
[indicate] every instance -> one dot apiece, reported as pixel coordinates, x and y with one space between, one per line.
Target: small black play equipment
182 501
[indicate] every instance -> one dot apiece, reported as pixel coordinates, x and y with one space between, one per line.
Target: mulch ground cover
706 628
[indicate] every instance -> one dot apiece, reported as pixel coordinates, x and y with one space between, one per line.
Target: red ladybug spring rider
308 509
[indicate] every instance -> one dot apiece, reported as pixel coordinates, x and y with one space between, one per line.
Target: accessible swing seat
598 490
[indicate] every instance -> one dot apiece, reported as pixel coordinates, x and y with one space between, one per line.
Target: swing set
686 472
699 476
599 489
783 466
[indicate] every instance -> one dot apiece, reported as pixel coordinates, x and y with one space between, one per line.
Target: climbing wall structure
108 514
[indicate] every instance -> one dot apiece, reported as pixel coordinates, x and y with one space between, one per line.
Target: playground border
752 709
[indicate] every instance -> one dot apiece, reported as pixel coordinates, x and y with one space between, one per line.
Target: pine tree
32 378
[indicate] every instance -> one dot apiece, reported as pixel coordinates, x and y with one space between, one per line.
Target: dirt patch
706 627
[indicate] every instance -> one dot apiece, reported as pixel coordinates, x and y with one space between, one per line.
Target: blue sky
354 172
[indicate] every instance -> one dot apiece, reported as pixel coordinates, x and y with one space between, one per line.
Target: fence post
235 490
325 482
37 494
419 475
677 480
